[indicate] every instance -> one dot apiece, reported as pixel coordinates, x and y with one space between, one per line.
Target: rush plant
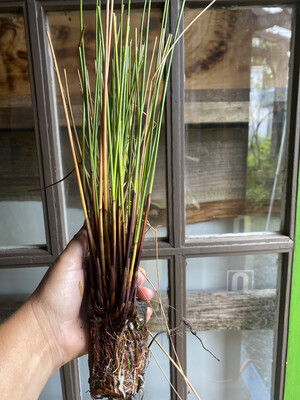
114 158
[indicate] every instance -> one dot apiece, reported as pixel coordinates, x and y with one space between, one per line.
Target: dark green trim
292 372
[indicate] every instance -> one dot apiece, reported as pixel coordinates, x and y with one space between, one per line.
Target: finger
78 246
144 293
141 276
149 313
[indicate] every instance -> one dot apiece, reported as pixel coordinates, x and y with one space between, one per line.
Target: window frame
177 247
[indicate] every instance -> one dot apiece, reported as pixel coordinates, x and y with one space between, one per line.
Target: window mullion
176 217
176 175
47 140
69 375
293 132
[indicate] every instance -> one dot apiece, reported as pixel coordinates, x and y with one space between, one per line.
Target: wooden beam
216 112
206 310
224 310
231 310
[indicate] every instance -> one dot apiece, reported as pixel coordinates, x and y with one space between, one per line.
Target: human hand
60 306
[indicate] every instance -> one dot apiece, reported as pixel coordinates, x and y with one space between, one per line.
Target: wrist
46 334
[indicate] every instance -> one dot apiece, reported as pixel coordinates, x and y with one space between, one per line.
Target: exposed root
118 357
193 332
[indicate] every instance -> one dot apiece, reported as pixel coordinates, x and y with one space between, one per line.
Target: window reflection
232 304
236 78
21 212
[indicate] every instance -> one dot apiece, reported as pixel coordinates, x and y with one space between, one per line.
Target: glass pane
16 285
64 29
21 212
84 377
232 304
20 280
157 277
156 385
157 382
236 77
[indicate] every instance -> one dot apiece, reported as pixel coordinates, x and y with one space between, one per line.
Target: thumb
78 246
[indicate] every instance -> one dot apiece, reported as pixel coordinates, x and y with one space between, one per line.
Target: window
225 196
19 165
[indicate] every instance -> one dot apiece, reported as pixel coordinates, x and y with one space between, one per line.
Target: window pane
156 384
21 212
236 77
65 35
16 285
157 277
232 304
20 280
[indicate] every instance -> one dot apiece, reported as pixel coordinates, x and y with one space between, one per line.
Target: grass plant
114 158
